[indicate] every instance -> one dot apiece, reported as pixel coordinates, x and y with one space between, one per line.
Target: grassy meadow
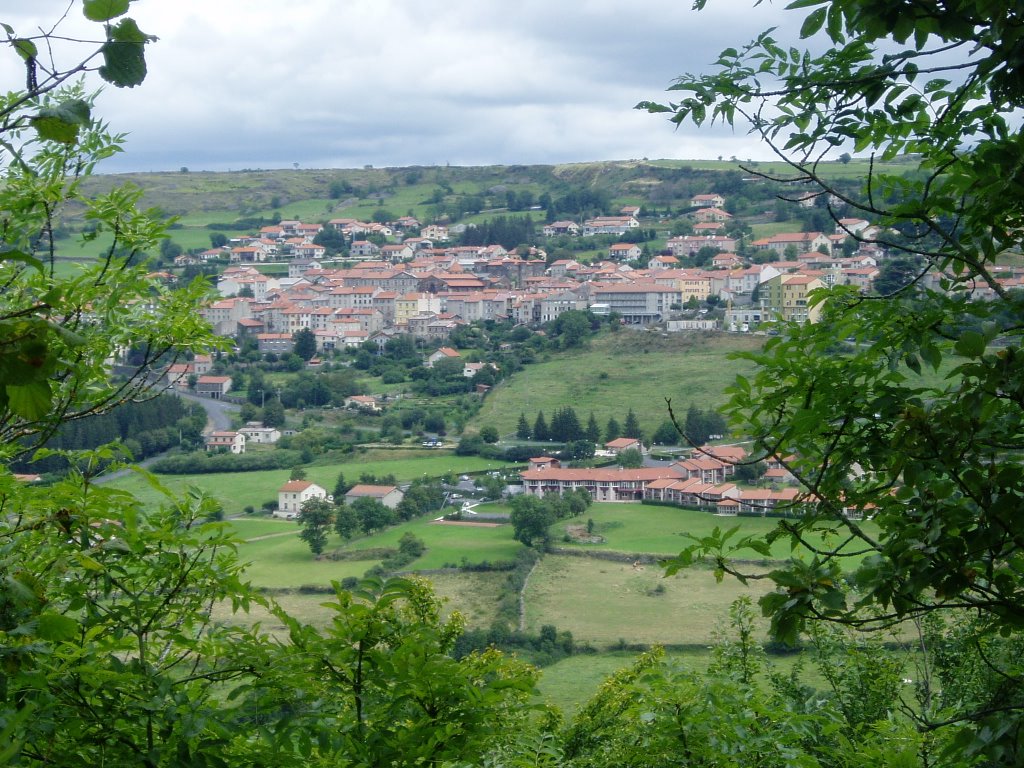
624 370
601 601
237 490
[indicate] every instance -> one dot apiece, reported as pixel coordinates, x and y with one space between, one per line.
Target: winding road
218 419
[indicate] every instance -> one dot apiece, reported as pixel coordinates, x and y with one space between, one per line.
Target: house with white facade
225 442
293 494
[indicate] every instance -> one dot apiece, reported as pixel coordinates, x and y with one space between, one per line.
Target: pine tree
571 425
593 433
523 428
632 426
540 428
612 431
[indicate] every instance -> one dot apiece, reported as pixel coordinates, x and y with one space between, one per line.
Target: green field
658 530
624 370
237 490
604 602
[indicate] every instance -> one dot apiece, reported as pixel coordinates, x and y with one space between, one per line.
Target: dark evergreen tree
593 433
523 428
273 413
613 431
632 427
540 428
569 428
341 487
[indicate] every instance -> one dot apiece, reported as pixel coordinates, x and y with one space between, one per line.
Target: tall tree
530 519
540 427
612 431
593 430
346 521
305 343
631 427
315 519
666 434
523 428
936 462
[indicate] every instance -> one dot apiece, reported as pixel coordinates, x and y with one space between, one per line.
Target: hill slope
619 371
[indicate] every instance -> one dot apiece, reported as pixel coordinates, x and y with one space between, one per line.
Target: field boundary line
522 595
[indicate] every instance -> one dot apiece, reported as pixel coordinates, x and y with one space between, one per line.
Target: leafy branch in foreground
908 445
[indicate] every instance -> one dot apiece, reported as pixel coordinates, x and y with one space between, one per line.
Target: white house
256 432
225 441
293 494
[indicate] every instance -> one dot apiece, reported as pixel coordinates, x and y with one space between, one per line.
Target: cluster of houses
427 289
703 481
293 494
423 287
230 441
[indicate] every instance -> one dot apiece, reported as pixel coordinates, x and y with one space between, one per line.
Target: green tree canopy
316 518
305 343
937 462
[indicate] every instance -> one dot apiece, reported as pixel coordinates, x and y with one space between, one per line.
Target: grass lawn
603 602
619 371
773 228
648 528
237 490
278 558
449 544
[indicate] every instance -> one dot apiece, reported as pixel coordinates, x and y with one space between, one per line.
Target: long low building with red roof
674 484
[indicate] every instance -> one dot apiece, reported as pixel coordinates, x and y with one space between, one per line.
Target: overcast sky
344 83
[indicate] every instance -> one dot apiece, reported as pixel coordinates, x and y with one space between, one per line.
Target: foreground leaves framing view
108 654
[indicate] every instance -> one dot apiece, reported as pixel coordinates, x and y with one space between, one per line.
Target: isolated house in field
293 494
388 495
233 442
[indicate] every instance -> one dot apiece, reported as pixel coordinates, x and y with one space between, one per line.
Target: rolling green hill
619 371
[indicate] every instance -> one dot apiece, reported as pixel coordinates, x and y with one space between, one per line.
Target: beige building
293 494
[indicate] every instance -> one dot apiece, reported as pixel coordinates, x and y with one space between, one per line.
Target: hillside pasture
619 371
237 490
607 602
663 530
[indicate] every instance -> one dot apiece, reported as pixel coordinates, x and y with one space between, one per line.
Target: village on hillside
417 284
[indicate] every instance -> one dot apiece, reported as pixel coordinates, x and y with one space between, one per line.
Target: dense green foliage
938 467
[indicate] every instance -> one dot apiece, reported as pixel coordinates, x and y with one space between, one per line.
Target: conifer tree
523 428
613 431
632 426
540 428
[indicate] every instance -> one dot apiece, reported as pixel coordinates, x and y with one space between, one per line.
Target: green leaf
105 10
813 22
56 627
26 49
61 122
23 257
30 401
124 55
970 344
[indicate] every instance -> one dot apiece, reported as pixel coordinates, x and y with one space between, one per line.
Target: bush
203 463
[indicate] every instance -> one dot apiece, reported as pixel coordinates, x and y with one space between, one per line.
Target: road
218 412
218 419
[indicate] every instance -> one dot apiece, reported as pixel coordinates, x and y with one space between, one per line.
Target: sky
237 84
